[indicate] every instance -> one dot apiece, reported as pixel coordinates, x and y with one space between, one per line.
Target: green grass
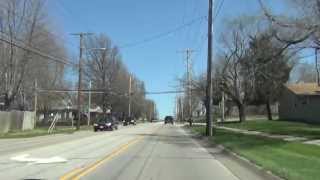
289 160
310 131
40 132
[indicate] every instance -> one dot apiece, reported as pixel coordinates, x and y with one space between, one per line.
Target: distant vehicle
129 121
105 123
168 119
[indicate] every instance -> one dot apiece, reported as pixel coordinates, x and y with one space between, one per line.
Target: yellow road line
80 172
70 174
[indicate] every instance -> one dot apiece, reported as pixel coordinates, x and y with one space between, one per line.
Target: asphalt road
143 152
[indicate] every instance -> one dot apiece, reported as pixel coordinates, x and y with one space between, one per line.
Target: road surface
151 151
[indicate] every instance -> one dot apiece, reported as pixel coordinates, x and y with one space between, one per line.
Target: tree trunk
7 102
190 122
45 117
104 103
269 110
242 114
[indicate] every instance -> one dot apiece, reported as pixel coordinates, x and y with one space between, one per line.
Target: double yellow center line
77 173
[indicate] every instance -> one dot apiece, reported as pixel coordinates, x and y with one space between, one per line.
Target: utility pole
317 66
89 115
209 73
182 108
188 53
35 100
222 107
81 35
129 106
177 107
151 112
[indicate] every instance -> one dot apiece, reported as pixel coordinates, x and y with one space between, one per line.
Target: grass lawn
39 132
310 131
289 160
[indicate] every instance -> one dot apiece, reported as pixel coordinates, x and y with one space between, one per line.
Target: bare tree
301 28
303 73
105 69
266 53
102 66
232 77
25 21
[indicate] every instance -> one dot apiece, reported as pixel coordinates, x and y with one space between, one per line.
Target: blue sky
157 62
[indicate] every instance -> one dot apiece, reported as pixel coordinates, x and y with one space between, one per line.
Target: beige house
300 102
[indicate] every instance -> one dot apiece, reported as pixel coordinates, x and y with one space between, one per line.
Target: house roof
309 89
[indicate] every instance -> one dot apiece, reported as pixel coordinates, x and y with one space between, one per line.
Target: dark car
105 123
168 119
129 121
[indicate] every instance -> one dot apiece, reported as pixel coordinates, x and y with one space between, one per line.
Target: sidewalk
274 136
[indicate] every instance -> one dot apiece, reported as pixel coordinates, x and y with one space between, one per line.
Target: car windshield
105 119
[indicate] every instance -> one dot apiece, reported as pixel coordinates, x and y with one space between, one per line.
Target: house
300 102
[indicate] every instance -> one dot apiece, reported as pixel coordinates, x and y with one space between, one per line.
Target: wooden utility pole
151 111
177 107
35 100
317 66
89 115
129 105
222 107
188 53
81 35
209 73
182 109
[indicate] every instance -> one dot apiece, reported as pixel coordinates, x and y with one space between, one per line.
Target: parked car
106 123
168 119
129 121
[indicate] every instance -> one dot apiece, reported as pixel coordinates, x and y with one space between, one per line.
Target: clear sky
156 62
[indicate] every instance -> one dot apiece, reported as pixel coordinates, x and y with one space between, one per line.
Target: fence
16 120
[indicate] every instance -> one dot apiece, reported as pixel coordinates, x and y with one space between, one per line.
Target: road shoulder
239 166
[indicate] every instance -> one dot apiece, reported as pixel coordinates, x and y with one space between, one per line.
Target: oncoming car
129 121
105 123
168 119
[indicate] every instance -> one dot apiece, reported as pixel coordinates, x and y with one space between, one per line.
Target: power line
218 10
160 35
34 50
187 32
86 91
43 31
99 91
200 43
165 92
71 14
